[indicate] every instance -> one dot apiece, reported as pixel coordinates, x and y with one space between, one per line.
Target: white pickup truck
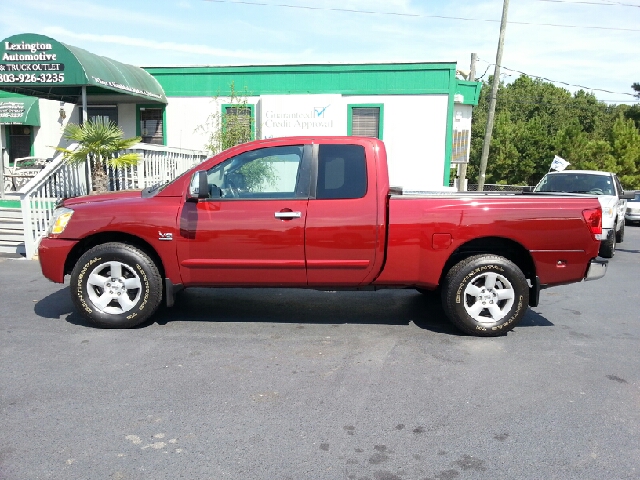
612 197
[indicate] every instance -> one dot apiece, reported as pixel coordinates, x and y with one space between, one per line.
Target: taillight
593 217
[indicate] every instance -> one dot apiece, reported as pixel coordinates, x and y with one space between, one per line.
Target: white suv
610 194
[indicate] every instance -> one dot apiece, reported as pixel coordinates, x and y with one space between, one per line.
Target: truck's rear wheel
116 285
485 295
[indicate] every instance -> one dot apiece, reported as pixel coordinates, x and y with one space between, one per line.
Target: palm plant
99 142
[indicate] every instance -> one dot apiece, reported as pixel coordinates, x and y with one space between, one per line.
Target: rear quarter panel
425 231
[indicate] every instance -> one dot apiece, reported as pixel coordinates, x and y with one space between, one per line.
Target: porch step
11 232
12 249
10 213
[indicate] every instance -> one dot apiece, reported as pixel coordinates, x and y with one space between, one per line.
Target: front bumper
597 269
53 253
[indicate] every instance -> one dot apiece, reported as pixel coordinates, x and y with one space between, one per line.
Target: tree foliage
100 142
536 120
230 127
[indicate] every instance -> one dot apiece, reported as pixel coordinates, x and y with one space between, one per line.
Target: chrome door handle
288 215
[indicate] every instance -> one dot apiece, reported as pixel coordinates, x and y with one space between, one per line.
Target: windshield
576 183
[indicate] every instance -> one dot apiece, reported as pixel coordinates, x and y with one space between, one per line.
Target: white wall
414 132
127 119
185 116
50 133
414 127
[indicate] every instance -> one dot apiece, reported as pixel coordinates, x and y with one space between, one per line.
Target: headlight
61 217
607 211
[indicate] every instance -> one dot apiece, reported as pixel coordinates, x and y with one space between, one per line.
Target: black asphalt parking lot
291 384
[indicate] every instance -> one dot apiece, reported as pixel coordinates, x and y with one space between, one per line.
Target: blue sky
251 32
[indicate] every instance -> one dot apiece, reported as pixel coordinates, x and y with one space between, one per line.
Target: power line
415 15
608 4
556 81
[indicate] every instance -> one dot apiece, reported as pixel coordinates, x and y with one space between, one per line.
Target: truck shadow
385 307
238 305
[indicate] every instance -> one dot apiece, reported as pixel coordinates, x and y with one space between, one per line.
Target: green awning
19 110
40 66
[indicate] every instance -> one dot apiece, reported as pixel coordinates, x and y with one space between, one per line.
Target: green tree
536 120
99 142
625 145
231 127
633 112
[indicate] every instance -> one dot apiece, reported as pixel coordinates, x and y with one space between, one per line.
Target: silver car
632 214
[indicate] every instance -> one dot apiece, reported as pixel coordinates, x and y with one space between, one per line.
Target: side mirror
628 196
199 187
527 189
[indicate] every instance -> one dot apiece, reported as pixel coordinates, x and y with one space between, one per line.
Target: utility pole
492 100
462 172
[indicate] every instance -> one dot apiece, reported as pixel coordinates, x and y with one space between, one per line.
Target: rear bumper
53 253
605 234
597 269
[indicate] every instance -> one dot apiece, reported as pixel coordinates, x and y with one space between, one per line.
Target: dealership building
422 111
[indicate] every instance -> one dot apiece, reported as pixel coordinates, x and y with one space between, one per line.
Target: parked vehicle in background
318 212
632 214
611 196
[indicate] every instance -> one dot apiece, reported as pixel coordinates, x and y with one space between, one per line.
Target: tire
608 246
482 280
620 234
116 285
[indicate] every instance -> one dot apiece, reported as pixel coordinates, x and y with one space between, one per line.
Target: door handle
288 215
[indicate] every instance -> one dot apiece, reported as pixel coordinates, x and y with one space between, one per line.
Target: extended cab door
342 235
250 231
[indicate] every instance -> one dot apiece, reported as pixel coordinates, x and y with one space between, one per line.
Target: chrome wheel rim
114 287
488 298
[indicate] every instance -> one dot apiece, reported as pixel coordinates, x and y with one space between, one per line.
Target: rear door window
342 172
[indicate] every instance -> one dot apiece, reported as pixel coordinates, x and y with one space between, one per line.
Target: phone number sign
31 78
31 59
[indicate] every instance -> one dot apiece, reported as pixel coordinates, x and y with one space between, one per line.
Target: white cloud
201 50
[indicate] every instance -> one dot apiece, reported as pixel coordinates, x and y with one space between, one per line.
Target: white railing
59 180
159 164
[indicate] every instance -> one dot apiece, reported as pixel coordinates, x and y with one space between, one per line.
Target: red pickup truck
317 212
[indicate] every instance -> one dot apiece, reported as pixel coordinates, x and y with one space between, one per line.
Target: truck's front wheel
608 246
485 295
116 285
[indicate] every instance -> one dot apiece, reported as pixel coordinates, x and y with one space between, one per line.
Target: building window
239 119
365 120
460 150
152 125
20 141
110 112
